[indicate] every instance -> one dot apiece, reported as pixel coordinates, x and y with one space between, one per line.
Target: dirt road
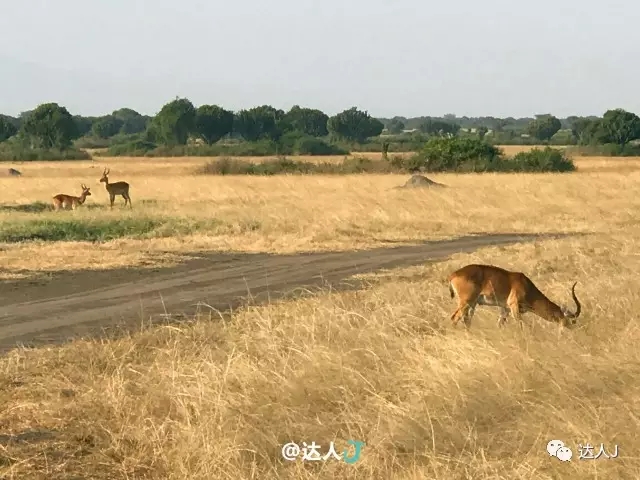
81 303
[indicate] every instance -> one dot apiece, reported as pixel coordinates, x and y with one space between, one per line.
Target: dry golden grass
215 399
150 166
302 213
511 150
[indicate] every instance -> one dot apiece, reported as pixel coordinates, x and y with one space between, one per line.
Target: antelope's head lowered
569 318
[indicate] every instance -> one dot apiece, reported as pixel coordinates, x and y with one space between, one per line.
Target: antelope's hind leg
464 311
455 318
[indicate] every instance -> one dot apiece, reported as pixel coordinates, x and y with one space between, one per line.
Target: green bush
455 154
133 149
474 155
17 153
537 160
92 142
463 158
235 166
351 165
148 149
283 165
308 145
89 141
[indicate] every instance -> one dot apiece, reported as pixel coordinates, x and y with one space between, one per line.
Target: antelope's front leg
468 315
502 318
514 307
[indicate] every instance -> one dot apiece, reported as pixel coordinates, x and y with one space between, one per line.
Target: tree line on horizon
179 123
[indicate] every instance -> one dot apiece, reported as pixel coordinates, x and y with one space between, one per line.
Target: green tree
260 122
212 123
499 124
482 131
83 124
543 127
587 130
355 125
309 121
131 121
620 126
49 126
395 126
106 127
570 121
7 129
174 122
440 128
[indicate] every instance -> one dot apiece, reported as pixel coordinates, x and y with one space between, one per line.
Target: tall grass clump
284 165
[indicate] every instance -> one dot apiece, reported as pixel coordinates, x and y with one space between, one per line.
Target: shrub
350 165
15 152
235 166
89 141
537 160
134 149
283 165
92 142
455 154
308 145
547 160
149 149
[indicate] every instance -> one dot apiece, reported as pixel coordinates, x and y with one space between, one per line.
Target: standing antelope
68 201
510 291
117 188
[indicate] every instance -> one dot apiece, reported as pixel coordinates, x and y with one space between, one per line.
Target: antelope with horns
70 202
117 188
512 292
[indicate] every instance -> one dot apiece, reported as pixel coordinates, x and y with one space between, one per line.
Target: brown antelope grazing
510 291
70 202
117 188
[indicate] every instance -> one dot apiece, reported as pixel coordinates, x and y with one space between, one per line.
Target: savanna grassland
217 399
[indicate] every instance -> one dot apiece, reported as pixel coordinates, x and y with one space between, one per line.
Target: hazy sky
393 57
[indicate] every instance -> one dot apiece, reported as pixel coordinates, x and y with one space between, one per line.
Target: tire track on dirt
80 303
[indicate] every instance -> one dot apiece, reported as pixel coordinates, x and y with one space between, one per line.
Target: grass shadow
34 207
39 207
29 436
